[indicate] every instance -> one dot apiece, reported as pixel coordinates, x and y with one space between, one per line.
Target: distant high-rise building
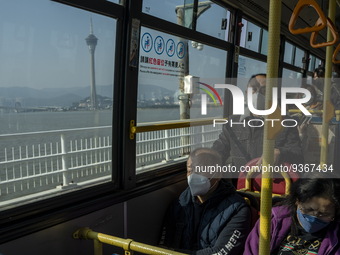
91 41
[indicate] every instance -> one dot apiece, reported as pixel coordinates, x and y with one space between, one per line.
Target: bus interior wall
144 213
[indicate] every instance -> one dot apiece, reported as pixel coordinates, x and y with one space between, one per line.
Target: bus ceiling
259 10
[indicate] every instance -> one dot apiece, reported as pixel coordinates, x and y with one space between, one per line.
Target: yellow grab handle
315 34
254 169
296 12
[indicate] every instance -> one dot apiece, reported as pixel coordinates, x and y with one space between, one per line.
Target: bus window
289 53
250 36
318 62
312 67
291 78
164 62
56 118
248 67
213 21
299 56
264 42
179 12
293 55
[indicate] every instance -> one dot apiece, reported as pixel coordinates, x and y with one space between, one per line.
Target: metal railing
52 161
128 245
165 146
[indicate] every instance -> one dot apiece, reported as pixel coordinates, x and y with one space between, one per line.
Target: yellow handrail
163 125
337 112
269 134
298 111
128 245
255 170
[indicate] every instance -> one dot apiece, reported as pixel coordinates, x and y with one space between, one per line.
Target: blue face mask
310 223
199 185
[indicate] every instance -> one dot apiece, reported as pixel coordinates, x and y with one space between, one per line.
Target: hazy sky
43 45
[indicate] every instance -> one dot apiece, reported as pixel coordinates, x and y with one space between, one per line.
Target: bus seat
279 184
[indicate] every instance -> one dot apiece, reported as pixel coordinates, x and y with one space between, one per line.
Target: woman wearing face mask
307 222
209 217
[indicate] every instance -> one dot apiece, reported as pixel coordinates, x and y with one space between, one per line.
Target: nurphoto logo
239 106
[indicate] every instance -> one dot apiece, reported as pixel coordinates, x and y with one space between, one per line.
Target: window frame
20 220
173 29
262 28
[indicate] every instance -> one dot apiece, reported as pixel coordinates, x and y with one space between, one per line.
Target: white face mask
199 185
258 101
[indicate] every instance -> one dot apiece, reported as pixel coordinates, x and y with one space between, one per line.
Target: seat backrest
279 185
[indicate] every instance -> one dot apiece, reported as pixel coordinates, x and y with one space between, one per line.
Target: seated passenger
307 222
319 79
238 144
209 217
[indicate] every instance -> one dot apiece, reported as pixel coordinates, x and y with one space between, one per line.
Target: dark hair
320 72
205 157
316 185
258 74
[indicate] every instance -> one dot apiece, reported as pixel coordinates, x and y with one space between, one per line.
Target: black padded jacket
251 139
222 227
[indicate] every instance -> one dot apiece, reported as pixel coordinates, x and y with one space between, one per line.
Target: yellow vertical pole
327 105
269 139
